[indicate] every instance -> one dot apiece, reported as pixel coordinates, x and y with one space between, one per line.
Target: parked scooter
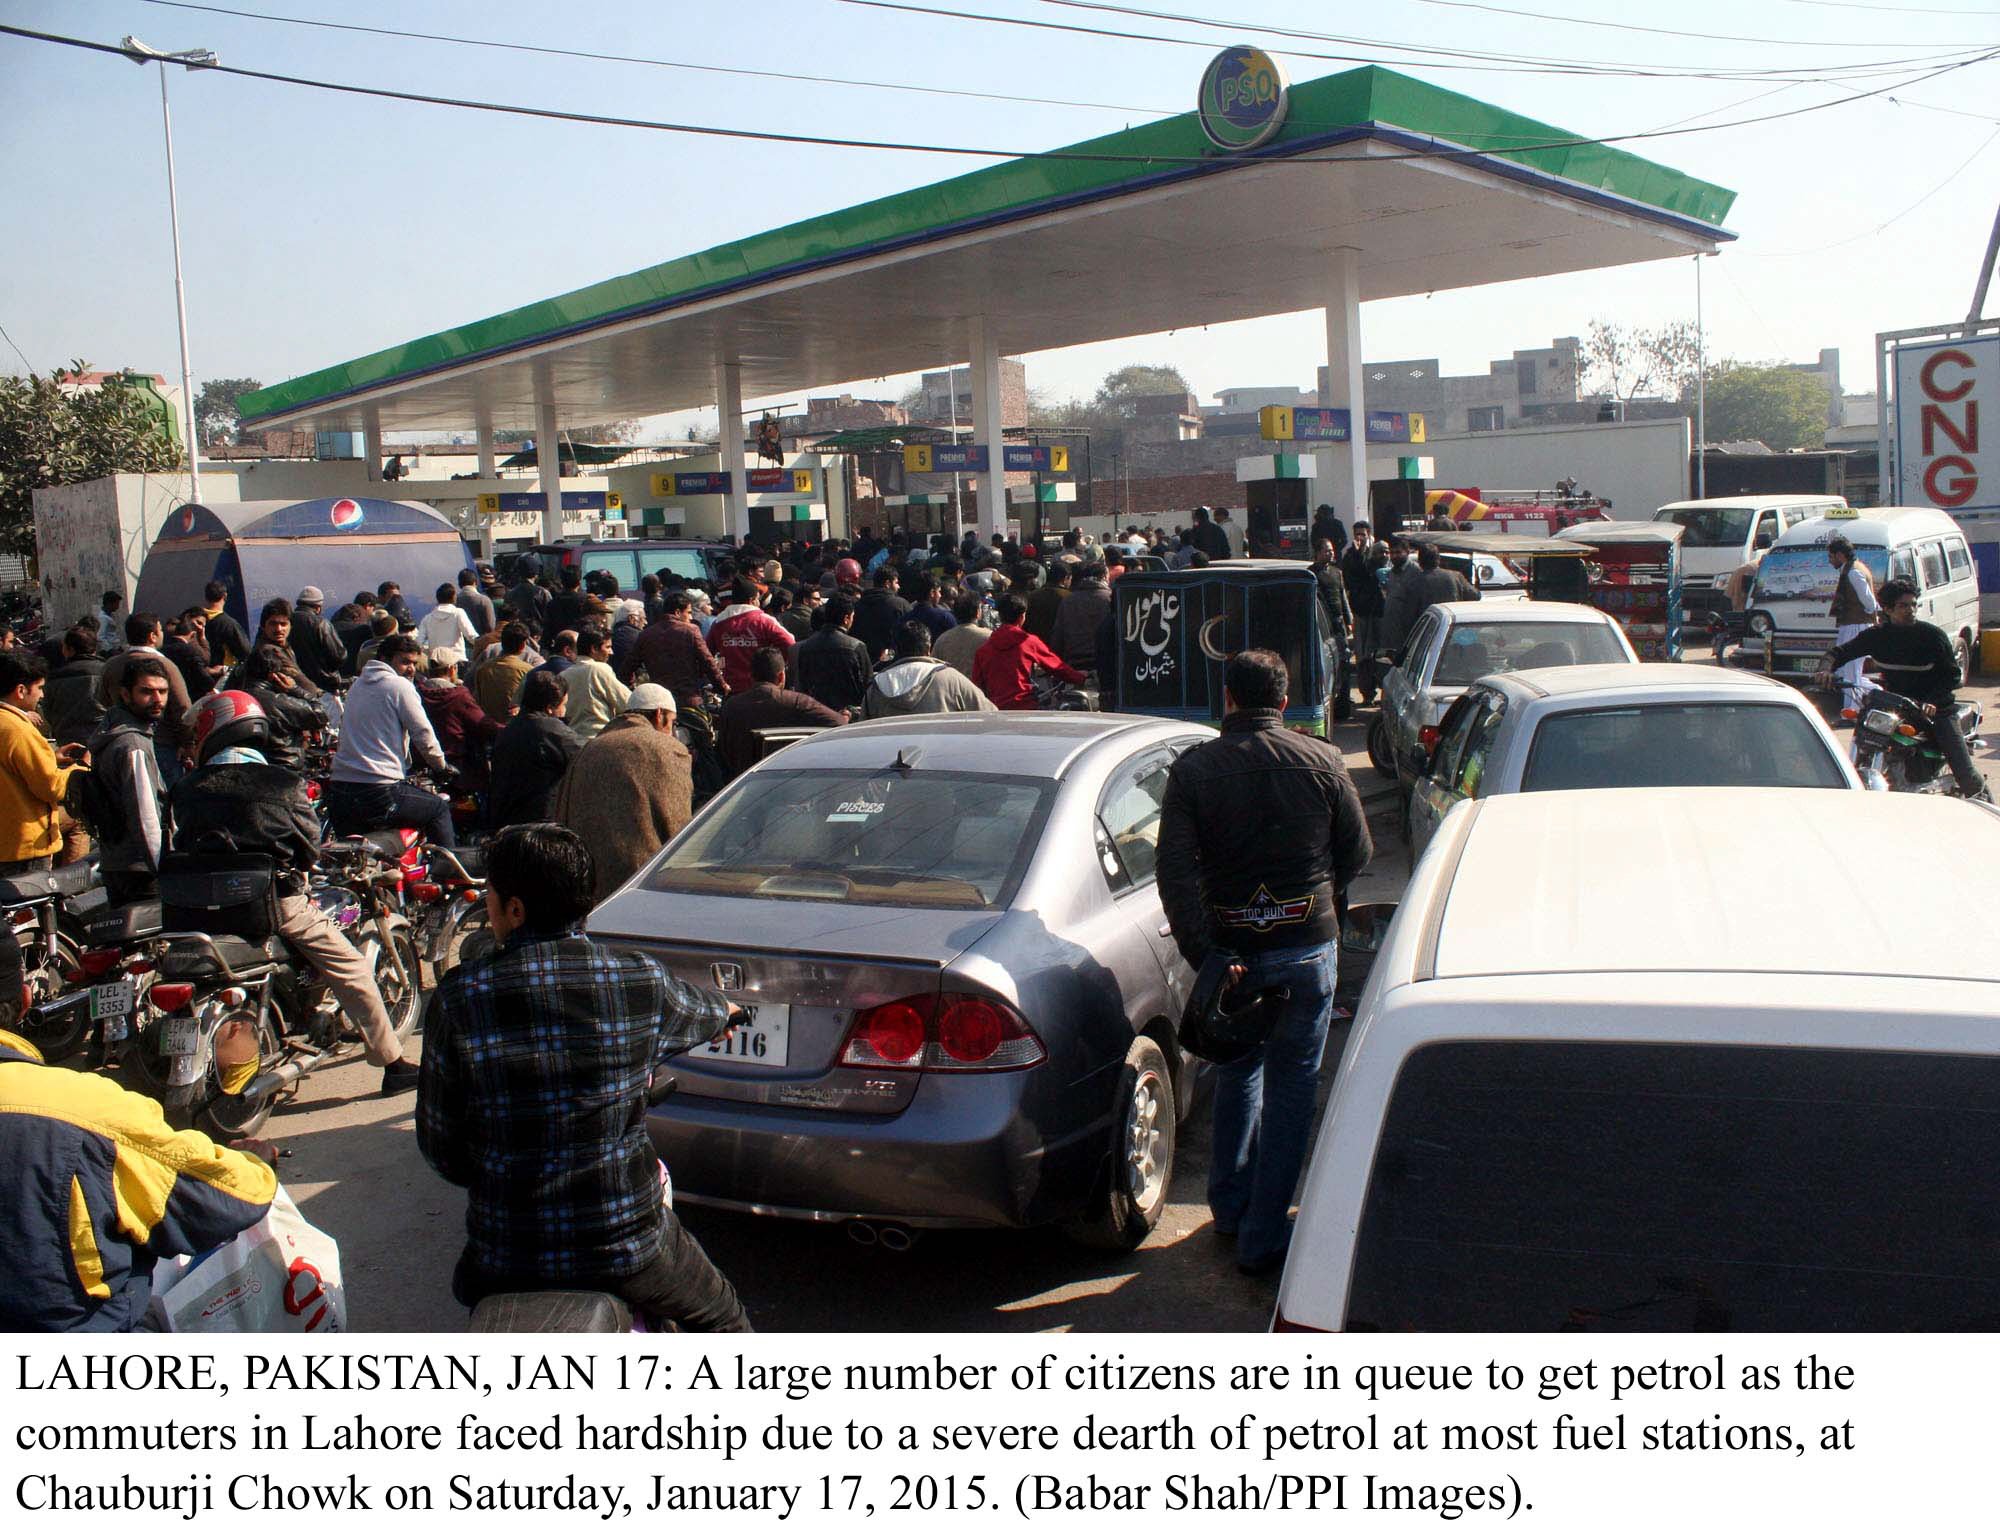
210 987
1895 747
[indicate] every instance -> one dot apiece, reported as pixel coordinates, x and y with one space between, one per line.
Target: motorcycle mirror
236 1055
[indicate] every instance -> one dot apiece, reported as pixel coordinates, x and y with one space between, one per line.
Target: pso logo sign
1243 98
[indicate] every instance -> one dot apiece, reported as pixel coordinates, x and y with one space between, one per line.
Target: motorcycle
447 908
37 911
209 989
1051 692
1895 748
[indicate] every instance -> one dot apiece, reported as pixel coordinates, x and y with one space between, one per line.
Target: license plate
112 1000
763 1039
178 1037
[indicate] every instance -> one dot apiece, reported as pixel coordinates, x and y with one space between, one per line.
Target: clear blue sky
319 227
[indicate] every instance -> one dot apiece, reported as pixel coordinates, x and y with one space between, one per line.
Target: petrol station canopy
1431 189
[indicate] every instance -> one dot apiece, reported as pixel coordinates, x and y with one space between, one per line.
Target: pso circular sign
1244 94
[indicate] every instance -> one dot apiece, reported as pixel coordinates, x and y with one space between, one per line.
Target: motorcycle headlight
1760 624
1881 721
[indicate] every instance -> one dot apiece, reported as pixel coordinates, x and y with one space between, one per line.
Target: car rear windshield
1473 650
1764 745
1528 1186
1711 527
1802 573
876 838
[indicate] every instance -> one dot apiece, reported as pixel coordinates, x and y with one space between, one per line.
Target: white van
1789 629
1726 533
1580 1093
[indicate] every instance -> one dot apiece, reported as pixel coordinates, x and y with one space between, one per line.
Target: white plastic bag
280 1275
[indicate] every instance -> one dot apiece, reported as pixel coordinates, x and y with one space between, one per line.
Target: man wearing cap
317 644
630 789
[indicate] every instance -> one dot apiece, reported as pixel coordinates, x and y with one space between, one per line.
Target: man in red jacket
1004 666
740 631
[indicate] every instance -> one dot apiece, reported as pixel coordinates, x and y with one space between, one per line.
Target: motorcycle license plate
763 1039
112 1000
178 1037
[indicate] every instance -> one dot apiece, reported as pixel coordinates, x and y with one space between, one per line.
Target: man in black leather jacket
237 800
1260 831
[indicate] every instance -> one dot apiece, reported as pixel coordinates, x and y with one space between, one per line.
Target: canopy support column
729 448
1343 467
987 427
371 443
488 468
548 467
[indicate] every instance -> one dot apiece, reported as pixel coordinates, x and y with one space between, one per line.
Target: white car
1583 1092
1453 645
1623 726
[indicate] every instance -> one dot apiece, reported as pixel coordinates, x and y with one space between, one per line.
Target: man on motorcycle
1004 666
383 726
1916 660
237 800
537 1070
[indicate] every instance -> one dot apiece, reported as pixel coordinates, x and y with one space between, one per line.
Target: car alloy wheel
1147 1141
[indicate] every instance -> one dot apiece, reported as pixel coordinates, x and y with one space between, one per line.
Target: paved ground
355 1171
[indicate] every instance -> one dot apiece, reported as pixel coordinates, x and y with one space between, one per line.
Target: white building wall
1639 465
92 538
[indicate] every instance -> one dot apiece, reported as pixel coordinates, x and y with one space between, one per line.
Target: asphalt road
354 1170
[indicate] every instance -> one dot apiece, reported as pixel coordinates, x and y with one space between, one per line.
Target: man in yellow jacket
33 774
101 1187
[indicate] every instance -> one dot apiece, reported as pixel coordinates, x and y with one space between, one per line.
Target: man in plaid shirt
537 1060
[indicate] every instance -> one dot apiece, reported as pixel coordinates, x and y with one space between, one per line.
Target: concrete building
1513 391
1827 371
941 387
1254 398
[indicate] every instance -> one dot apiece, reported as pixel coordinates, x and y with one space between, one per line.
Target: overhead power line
552 114
1431 57
1517 14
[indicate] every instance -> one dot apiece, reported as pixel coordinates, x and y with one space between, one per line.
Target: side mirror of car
1765 540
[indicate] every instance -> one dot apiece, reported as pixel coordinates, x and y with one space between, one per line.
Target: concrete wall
1639 465
92 538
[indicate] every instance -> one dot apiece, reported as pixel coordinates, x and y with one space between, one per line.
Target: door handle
1166 930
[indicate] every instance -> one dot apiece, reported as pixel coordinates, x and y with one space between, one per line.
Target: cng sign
1946 393
1243 98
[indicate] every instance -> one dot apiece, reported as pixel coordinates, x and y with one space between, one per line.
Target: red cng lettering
1951 480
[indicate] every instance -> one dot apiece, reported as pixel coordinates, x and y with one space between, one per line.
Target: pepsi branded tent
266 549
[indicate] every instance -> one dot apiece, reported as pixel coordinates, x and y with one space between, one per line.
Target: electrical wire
1893 10
703 130
1629 26
1579 68
1869 234
17 350
681 64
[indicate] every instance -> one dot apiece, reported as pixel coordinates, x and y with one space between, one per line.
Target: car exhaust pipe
862 1234
895 1239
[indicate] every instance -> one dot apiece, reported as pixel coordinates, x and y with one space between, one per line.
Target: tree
1778 407
48 437
1123 386
215 417
1628 361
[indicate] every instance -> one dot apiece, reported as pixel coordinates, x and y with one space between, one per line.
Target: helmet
231 718
1222 1022
847 573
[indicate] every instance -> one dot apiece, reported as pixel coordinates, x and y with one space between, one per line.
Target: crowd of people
575 729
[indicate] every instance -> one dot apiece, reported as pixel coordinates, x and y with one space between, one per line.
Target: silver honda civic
962 989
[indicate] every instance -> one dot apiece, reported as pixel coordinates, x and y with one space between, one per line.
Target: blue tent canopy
266 549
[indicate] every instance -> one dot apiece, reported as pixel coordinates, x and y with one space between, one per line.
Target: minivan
1581 1093
1788 624
1725 533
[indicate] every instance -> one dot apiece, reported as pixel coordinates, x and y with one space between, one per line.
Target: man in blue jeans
382 728
1260 830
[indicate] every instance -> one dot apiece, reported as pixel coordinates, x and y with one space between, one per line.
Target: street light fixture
188 58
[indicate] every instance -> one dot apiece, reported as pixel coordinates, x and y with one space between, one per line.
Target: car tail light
1428 738
425 890
958 1032
172 996
101 962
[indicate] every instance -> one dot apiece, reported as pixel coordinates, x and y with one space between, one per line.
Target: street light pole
190 58
1700 394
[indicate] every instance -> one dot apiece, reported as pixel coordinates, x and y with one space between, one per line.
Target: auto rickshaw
1549 570
1635 576
1175 629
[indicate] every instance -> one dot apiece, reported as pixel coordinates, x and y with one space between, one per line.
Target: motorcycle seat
389 844
19 890
551 1312
121 925
470 861
185 961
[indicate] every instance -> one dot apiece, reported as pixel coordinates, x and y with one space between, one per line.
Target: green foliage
49 437
1113 404
1779 407
215 417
